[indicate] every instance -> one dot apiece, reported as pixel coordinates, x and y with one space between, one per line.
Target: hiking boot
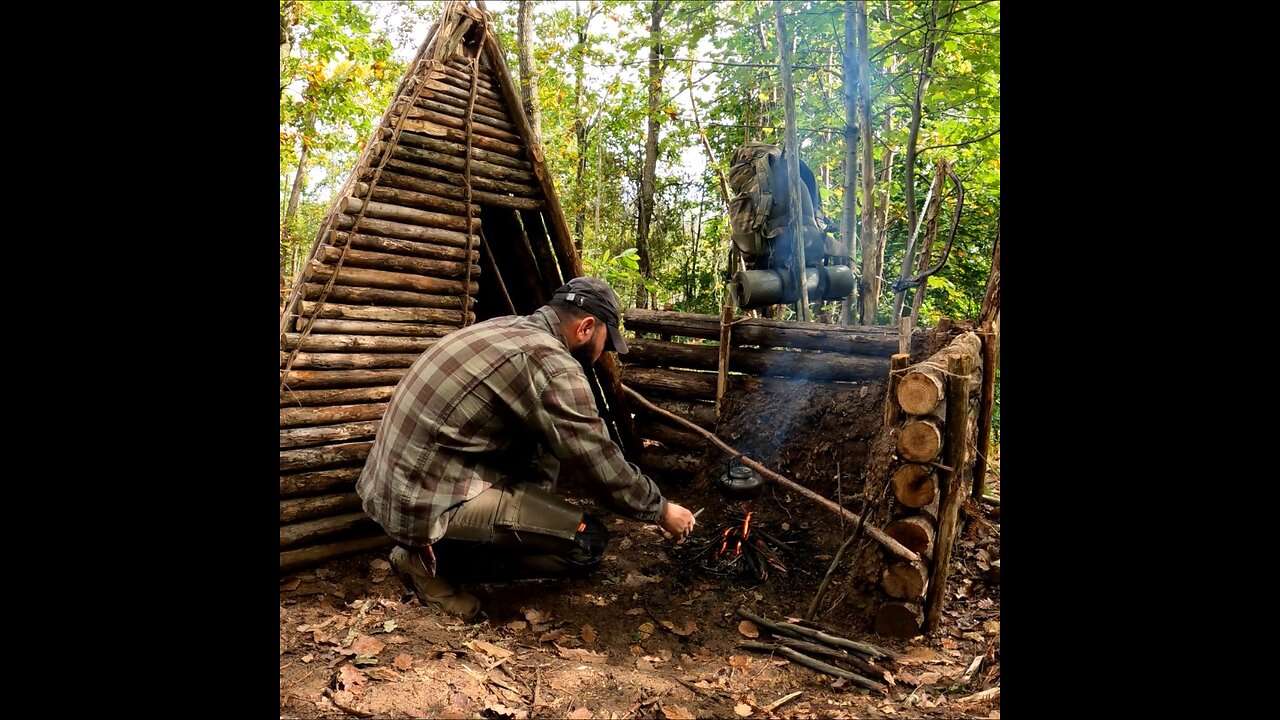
434 591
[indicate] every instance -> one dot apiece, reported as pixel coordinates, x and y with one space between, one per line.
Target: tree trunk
295 194
850 89
920 440
528 71
930 233
913 134
792 154
869 287
649 172
287 10
581 23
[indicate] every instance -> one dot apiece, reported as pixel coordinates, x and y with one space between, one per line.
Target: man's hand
677 520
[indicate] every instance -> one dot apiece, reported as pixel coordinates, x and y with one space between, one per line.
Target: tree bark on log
324 456
313 379
410 198
990 352
328 434
297 509
357 343
679 384
461 89
753 361
386 314
447 176
331 415
307 557
420 218
919 440
320 481
424 129
404 231
435 102
464 74
310 531
915 485
374 327
906 581
386 279
953 490
426 142
438 118
458 163
923 387
889 544
915 533
379 296
848 340
409 183
349 361
898 363
899 619
701 414
397 246
387 262
315 398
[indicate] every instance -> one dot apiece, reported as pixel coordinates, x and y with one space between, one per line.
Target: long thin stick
893 546
801 659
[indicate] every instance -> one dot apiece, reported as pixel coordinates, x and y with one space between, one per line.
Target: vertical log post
726 325
892 411
953 491
990 347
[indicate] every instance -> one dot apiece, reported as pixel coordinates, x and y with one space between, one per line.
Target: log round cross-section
899 619
920 441
915 485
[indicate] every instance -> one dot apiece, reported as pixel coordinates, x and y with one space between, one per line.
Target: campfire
736 549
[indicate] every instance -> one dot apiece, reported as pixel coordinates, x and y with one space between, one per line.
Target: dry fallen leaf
403 661
985 604
383 673
588 634
749 629
551 636
739 660
350 678
992 627
291 583
365 645
635 611
742 710
677 712
644 631
930 678
974 636
504 711
689 628
918 655
580 714
950 644
491 649
581 654
517 625
536 617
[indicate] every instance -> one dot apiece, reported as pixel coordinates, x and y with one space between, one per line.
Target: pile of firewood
860 663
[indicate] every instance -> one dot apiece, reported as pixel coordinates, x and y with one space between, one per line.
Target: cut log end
920 391
915 485
915 533
899 620
905 580
920 441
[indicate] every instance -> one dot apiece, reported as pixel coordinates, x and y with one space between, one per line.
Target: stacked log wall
935 420
679 374
398 263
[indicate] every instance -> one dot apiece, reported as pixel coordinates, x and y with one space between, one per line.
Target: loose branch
801 659
802 633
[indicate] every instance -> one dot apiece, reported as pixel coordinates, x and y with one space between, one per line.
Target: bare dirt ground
654 632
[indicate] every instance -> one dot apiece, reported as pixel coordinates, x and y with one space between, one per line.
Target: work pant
519 531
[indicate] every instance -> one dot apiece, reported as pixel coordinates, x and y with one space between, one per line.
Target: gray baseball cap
596 297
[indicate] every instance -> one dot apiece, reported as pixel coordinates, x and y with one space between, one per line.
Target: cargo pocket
525 507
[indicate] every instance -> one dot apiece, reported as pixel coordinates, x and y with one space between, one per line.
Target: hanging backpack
759 217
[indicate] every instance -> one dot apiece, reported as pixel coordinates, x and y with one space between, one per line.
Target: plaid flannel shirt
481 406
